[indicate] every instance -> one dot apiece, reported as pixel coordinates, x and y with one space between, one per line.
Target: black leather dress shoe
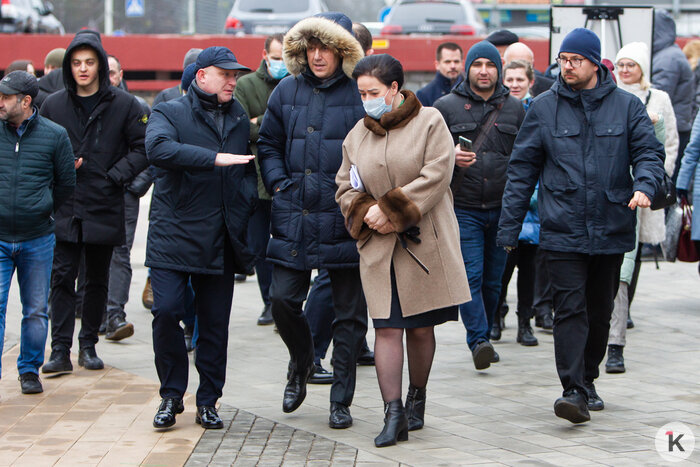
366 358
340 416
208 417
59 362
572 407
321 376
168 409
88 359
265 317
295 391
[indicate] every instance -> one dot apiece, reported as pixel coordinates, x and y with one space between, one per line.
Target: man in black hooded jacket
106 127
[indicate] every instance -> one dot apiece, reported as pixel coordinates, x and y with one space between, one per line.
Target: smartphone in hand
465 144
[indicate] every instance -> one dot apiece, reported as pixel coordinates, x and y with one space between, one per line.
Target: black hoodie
109 139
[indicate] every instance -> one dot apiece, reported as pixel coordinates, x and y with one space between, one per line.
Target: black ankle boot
496 330
415 407
525 336
395 425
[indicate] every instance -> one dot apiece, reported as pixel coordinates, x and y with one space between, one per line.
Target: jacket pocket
462 128
556 179
610 139
565 139
618 218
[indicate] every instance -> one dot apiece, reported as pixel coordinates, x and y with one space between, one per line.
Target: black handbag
666 194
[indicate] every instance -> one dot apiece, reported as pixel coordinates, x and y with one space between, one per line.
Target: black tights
388 358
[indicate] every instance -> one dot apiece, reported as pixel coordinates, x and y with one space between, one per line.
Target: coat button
316 90
310 129
293 252
305 212
609 130
566 132
307 171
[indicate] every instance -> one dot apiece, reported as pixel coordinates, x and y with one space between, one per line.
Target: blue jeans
484 262
33 260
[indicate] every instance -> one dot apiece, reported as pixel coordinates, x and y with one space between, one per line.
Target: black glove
682 194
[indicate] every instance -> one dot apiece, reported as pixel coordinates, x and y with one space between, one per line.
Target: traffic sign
134 8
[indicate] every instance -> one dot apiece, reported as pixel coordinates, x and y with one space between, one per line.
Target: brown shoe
147 296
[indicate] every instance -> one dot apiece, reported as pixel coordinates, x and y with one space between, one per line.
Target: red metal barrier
164 53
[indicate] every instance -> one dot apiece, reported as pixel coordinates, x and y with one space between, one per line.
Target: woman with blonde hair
632 70
393 189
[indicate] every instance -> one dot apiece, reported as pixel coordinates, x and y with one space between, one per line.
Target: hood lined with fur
331 34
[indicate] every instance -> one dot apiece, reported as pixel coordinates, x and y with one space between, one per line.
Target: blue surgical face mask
375 108
277 69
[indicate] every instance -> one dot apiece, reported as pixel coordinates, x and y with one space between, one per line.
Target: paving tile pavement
501 416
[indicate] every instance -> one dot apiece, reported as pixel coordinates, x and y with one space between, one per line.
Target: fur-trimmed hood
329 33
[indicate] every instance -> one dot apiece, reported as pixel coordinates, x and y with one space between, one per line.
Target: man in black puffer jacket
308 116
106 127
477 185
36 176
205 192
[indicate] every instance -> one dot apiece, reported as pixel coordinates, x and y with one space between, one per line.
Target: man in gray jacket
672 73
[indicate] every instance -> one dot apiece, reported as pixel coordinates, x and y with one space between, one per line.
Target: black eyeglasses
575 62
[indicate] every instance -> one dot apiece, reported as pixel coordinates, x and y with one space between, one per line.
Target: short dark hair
384 67
364 37
18 65
515 64
279 37
448 46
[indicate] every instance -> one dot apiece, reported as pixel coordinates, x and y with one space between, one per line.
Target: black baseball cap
220 57
19 82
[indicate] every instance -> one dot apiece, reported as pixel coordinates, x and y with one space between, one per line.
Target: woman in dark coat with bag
397 207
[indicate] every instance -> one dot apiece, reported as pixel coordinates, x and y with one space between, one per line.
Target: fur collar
396 118
331 34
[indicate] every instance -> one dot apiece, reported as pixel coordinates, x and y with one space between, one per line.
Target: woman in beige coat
393 189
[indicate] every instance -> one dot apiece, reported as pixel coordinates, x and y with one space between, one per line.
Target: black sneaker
119 329
572 407
59 362
483 355
594 401
30 383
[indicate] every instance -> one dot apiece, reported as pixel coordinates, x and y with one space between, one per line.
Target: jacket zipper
15 174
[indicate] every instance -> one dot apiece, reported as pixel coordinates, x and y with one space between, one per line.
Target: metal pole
191 27
109 17
676 9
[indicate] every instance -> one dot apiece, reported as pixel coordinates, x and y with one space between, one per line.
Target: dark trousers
287 294
213 295
542 299
583 289
524 258
258 238
120 266
66 261
319 313
683 140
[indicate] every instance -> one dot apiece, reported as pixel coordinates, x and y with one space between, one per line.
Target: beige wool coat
405 161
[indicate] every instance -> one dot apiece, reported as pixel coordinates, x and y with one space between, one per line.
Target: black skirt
422 320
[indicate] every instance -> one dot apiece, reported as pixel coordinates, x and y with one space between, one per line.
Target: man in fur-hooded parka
300 149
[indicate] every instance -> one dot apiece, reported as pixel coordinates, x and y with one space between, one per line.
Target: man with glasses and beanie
36 176
579 139
205 192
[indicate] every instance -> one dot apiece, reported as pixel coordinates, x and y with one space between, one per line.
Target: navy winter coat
438 87
580 145
195 203
300 150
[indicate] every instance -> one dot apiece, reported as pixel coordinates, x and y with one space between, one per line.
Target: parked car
269 16
46 21
434 17
17 16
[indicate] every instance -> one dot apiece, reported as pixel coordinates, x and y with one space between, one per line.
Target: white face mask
377 107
